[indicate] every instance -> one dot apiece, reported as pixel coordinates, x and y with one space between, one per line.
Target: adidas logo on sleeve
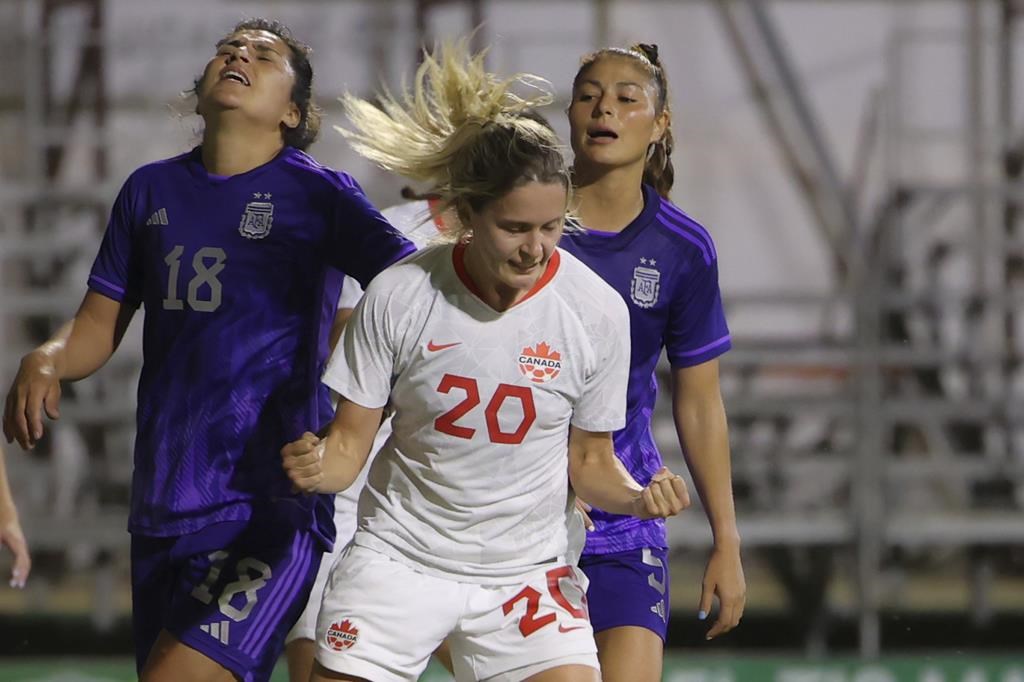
158 218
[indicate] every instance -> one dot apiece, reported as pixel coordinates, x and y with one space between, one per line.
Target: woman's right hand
302 460
36 387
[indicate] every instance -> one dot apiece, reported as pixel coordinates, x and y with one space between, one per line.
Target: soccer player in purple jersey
237 250
664 265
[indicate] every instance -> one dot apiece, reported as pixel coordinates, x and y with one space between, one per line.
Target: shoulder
686 235
317 174
411 275
164 173
162 168
402 292
585 290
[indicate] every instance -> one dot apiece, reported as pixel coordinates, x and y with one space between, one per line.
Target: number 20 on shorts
531 621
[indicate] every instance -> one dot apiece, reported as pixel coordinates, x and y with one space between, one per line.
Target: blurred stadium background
859 164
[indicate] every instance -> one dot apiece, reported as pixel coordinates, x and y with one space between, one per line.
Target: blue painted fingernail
702 615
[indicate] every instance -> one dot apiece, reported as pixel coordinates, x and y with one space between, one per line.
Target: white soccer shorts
381 620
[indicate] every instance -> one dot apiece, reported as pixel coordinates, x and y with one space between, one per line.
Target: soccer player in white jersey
503 363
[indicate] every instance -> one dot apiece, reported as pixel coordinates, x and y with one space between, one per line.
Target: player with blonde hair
503 364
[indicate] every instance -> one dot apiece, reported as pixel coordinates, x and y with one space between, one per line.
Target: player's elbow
585 468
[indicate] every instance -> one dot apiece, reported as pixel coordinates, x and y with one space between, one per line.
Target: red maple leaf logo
541 363
341 636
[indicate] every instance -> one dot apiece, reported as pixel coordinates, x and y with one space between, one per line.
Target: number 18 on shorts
382 620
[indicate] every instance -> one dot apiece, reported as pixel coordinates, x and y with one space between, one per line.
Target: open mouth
234 75
602 134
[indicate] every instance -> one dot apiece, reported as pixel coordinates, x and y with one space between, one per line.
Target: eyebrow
258 46
590 81
527 225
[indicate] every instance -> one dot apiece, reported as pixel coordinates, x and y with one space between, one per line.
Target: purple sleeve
363 241
115 272
697 331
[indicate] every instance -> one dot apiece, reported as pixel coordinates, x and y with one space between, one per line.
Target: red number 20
530 623
446 422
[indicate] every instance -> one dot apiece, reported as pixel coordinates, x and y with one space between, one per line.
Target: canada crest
646 284
341 636
540 363
258 217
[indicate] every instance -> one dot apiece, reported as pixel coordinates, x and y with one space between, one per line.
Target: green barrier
965 668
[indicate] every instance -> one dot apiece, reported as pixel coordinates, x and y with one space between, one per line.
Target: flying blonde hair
459 129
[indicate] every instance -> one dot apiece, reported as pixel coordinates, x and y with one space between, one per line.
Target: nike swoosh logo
562 628
432 347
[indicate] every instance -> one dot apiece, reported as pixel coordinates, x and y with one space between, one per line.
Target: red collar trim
458 261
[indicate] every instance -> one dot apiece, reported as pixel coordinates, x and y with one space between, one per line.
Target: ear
661 124
292 117
465 215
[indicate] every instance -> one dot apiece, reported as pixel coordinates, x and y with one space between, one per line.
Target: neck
236 149
609 199
499 296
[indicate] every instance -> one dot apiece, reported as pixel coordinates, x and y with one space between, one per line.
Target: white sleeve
602 405
351 292
361 365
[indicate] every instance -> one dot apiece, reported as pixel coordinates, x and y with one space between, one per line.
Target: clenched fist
665 496
302 461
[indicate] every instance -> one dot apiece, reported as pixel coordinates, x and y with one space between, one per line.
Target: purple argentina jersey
239 278
665 267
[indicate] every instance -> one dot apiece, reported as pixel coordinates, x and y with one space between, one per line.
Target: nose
533 247
240 52
603 105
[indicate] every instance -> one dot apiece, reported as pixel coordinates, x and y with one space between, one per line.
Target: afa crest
541 363
646 284
257 218
341 636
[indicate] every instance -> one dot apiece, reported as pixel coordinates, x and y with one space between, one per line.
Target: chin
517 280
604 157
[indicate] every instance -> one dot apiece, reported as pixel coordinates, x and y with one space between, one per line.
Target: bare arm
80 347
704 436
599 479
332 463
10 530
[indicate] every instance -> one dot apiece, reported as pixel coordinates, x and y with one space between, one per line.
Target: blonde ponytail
459 129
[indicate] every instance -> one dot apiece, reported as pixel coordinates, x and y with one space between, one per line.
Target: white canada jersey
473 482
